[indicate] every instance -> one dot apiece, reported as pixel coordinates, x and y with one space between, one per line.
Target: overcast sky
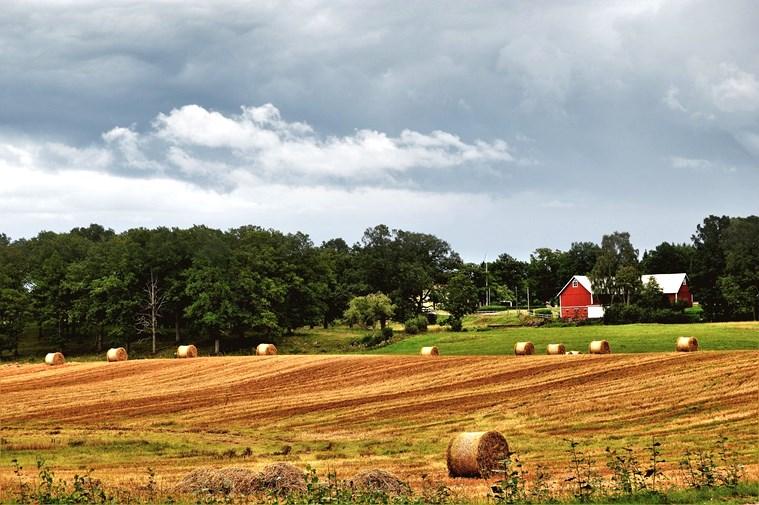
498 126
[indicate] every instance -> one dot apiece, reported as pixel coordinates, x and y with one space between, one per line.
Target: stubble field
349 413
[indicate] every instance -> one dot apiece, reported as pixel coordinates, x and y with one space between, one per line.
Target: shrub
431 318
410 326
455 323
416 324
545 311
387 333
497 308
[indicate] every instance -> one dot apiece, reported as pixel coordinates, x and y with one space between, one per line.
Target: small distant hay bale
599 347
187 351
54 358
556 349
524 348
476 453
572 353
266 350
374 481
282 479
116 354
430 351
221 480
687 344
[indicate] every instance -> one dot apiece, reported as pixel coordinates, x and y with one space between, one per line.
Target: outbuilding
577 300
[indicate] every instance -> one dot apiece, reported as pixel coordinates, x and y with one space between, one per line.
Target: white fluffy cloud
200 142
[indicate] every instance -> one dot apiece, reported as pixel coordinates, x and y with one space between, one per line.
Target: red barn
675 286
577 301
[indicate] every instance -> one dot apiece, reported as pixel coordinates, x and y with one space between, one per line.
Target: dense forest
92 286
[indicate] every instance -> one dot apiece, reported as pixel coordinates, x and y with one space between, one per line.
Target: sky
497 126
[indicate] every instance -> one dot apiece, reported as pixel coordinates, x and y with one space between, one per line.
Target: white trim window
574 283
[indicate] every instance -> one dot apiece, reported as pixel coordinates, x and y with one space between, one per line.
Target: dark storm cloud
586 103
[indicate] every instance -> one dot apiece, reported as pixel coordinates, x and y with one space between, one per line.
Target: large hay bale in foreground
54 358
524 348
266 350
380 481
221 480
430 351
556 349
599 347
116 354
687 344
187 351
476 453
282 479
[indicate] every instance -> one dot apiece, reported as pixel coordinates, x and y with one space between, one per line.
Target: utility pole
528 298
487 285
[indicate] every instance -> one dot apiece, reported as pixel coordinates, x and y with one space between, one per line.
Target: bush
628 314
455 323
497 308
623 314
431 318
410 326
387 333
543 312
695 314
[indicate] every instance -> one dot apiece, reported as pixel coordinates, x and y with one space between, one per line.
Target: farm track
376 400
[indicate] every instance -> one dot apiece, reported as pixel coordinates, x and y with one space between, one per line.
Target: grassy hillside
623 338
486 334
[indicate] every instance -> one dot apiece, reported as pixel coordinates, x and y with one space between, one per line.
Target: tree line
91 286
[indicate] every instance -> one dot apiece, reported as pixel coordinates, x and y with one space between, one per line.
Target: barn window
574 283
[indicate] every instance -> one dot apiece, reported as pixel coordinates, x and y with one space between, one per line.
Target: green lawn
480 337
623 338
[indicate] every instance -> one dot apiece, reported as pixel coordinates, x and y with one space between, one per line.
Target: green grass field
623 338
486 334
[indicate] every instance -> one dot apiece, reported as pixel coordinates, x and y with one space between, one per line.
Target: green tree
461 295
510 273
578 260
709 265
628 282
668 258
408 266
367 310
544 273
616 251
740 284
650 296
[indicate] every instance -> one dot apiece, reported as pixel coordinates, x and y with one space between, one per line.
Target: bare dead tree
147 320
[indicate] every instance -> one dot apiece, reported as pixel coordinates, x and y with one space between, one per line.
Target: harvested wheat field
354 413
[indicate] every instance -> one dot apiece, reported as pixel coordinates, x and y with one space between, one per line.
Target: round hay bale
599 347
266 350
572 353
222 480
430 351
54 358
282 479
687 344
187 351
556 349
374 481
116 354
476 453
524 348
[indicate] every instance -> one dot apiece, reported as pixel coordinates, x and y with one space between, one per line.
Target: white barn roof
584 282
669 283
